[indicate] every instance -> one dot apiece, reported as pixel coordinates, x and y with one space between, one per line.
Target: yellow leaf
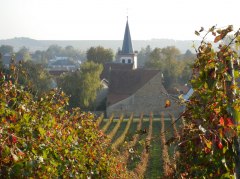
167 103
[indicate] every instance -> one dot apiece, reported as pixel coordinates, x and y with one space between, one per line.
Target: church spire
127 42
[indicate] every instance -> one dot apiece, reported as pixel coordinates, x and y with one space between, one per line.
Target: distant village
127 87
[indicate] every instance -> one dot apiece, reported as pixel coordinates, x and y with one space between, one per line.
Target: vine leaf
218 38
167 103
197 33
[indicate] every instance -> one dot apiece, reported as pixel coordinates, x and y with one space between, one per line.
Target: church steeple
127 42
127 55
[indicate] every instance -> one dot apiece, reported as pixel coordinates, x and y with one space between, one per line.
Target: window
123 60
129 61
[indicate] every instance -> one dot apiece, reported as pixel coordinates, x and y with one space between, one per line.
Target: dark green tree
6 49
99 55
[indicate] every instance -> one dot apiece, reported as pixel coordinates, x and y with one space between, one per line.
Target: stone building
138 91
133 90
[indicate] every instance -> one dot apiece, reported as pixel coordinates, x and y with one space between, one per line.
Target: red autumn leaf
220 146
229 122
221 121
13 139
207 150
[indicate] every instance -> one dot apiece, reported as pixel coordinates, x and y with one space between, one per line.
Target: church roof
127 42
124 83
108 67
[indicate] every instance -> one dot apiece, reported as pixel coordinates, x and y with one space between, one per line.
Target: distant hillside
34 45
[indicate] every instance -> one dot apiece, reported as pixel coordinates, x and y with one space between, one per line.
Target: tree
40 57
82 85
54 50
6 49
57 51
24 54
99 55
209 142
166 60
143 55
155 60
35 77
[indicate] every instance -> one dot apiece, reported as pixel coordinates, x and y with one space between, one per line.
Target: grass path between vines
154 169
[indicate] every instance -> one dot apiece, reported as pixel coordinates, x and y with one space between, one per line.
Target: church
132 89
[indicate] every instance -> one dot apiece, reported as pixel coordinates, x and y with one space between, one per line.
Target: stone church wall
149 98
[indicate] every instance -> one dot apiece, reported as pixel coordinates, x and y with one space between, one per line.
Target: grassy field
155 163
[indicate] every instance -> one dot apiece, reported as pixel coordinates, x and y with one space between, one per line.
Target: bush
39 138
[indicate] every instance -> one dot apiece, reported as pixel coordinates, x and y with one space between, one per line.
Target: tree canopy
6 49
82 85
35 77
176 68
100 55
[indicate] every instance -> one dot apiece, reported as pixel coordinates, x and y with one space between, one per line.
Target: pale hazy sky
105 19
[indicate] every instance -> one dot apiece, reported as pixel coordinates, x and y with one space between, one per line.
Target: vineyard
141 143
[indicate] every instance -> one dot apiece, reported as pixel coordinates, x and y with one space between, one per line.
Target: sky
106 19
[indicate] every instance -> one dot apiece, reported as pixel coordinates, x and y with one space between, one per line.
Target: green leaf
41 131
227 77
236 116
225 149
45 154
6 151
225 164
205 85
236 73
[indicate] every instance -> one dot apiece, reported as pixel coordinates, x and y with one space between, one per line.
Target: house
133 90
62 63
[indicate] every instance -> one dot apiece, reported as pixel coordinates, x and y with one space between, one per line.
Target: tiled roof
63 62
108 67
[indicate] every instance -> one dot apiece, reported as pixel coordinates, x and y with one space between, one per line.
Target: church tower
127 55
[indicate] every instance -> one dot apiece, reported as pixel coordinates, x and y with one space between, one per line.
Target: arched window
123 60
129 61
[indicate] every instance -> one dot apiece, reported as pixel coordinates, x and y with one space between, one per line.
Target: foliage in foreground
208 140
40 139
